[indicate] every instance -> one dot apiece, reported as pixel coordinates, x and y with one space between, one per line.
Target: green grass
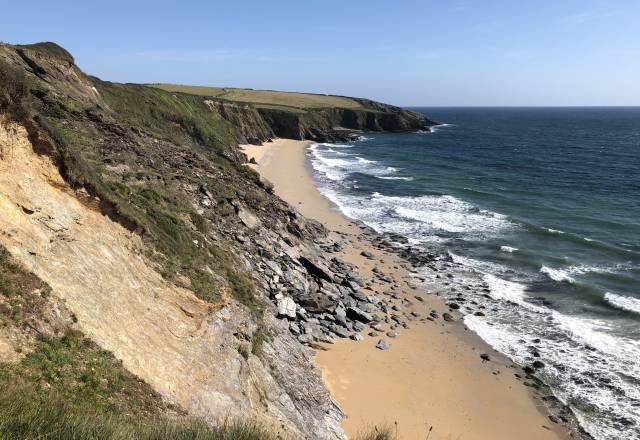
268 97
281 107
77 372
178 119
22 416
69 388
22 293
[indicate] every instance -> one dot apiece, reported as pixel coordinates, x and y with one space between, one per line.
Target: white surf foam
558 275
596 333
508 249
555 231
433 128
336 166
425 218
337 153
623 302
567 274
506 290
447 213
324 144
395 178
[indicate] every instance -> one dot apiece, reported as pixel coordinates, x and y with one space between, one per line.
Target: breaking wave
408 179
626 303
558 275
336 165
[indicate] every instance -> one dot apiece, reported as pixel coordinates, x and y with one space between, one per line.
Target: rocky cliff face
250 127
134 206
327 124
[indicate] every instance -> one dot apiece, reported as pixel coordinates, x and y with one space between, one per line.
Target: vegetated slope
145 233
136 209
312 116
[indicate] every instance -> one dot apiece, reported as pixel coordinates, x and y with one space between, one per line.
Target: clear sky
490 52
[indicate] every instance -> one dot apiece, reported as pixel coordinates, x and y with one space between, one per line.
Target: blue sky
561 52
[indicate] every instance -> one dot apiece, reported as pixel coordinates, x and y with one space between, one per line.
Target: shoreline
432 374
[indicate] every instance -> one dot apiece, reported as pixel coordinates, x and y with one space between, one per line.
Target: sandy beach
431 382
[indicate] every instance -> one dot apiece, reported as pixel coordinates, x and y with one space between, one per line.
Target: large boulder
359 315
316 269
317 303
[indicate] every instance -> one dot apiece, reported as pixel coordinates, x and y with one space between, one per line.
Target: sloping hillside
133 225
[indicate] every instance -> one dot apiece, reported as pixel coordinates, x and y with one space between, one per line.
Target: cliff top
266 98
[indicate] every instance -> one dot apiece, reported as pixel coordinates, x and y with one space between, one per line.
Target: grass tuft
384 432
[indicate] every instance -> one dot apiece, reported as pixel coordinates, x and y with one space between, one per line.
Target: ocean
535 213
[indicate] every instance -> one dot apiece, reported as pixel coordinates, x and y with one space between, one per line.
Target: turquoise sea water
539 207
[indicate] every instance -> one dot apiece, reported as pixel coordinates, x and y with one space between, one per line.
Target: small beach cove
432 375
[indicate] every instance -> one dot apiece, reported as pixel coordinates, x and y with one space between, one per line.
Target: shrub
260 336
14 90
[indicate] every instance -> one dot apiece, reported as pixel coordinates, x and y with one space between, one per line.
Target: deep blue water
542 207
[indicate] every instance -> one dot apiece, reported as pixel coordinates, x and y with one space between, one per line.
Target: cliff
309 116
131 208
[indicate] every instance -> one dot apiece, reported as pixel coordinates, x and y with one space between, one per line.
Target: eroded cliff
133 206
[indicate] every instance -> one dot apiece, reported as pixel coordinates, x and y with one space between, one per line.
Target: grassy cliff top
262 98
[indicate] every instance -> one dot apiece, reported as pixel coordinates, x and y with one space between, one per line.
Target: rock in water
538 364
286 308
382 345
